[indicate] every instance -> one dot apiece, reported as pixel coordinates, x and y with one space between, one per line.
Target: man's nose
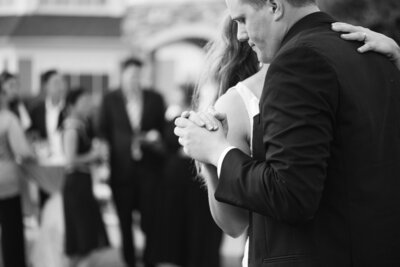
242 34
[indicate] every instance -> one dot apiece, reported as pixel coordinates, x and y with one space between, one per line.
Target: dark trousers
127 198
12 232
125 202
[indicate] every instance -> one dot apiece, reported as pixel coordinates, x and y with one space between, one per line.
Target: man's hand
205 145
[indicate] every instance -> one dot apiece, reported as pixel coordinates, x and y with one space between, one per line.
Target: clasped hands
203 134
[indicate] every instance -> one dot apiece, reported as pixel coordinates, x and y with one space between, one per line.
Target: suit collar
122 107
122 95
310 21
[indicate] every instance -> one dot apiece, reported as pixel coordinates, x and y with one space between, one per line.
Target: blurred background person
16 105
132 122
47 114
14 149
9 82
186 233
84 228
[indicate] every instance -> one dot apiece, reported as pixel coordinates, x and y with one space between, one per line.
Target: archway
176 56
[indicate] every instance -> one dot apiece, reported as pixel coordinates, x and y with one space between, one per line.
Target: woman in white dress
239 82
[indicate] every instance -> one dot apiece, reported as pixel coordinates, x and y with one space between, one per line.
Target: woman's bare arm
232 220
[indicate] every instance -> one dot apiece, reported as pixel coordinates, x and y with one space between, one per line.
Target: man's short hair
5 76
132 61
46 76
296 3
299 3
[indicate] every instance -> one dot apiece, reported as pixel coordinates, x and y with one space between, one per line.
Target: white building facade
87 39
80 38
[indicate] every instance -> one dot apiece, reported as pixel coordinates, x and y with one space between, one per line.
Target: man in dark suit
132 122
323 188
47 115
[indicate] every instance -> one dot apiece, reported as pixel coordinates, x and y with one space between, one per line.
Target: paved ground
230 254
111 258
231 249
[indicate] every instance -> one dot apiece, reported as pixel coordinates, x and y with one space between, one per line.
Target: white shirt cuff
222 157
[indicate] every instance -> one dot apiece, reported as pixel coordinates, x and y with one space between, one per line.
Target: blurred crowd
60 140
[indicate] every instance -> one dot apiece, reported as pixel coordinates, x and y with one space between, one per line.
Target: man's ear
277 8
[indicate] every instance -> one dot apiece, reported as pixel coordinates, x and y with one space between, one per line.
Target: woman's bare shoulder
232 105
230 102
255 83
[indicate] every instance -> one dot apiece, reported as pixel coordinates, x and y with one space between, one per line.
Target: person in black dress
84 227
187 235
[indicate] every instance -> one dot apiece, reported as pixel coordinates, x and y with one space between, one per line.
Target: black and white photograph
199 133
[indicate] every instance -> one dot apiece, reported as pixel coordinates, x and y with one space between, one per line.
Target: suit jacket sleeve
298 107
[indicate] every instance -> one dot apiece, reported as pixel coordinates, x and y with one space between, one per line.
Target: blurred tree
382 16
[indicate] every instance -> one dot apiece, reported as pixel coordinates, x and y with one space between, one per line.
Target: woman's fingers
365 48
201 119
196 119
345 27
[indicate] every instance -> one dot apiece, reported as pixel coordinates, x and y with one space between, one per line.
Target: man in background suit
132 122
47 115
323 186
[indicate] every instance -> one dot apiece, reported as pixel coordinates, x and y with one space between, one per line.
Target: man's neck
294 14
54 102
132 93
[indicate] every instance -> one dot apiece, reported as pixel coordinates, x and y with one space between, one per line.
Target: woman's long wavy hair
228 61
